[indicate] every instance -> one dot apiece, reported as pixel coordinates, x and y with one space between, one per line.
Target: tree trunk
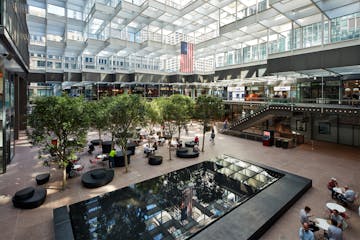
64 179
203 143
179 132
99 134
124 150
170 148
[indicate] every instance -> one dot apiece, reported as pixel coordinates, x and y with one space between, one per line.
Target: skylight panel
60 11
248 3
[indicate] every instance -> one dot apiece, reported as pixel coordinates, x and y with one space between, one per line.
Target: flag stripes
186 57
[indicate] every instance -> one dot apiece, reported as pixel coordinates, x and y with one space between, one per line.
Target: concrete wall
343 129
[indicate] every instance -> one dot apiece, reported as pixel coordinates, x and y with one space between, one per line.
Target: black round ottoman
96 142
188 154
42 178
97 177
29 197
155 160
190 144
182 150
106 146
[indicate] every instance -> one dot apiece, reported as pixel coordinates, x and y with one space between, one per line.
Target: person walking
212 139
112 158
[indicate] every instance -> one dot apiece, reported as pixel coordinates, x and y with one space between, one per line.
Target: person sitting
147 150
304 218
161 141
179 143
305 233
334 232
331 184
336 216
196 148
347 197
196 140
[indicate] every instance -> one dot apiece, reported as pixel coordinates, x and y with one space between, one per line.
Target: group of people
308 227
150 150
337 221
346 195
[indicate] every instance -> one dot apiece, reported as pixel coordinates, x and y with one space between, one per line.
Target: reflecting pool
173 206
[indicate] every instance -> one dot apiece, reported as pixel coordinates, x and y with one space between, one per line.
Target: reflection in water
173 206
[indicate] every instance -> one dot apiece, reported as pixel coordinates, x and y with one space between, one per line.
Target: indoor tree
168 115
208 108
98 112
152 116
126 111
62 118
184 106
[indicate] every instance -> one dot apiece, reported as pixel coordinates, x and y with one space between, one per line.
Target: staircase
268 110
263 113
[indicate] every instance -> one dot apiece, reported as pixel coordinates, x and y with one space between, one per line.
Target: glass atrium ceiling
152 30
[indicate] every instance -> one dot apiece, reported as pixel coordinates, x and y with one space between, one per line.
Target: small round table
335 206
322 223
338 190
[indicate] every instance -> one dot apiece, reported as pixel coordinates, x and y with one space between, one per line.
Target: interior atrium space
168 119
113 36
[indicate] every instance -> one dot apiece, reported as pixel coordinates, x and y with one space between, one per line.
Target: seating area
29 197
186 153
97 177
141 168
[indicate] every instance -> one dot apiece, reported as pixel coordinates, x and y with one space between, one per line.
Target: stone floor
318 162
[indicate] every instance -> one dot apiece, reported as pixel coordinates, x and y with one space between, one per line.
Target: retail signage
236 89
282 88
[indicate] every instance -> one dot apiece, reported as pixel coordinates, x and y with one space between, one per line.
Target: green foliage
152 113
125 113
63 118
208 108
175 110
98 112
183 110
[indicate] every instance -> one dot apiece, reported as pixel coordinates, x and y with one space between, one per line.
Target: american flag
187 57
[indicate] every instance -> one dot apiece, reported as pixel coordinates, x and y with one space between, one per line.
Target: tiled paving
318 162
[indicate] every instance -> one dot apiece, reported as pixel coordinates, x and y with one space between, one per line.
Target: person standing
304 218
112 158
225 124
305 233
331 184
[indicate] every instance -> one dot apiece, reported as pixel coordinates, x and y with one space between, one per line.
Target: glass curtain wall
2 161
325 32
7 138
